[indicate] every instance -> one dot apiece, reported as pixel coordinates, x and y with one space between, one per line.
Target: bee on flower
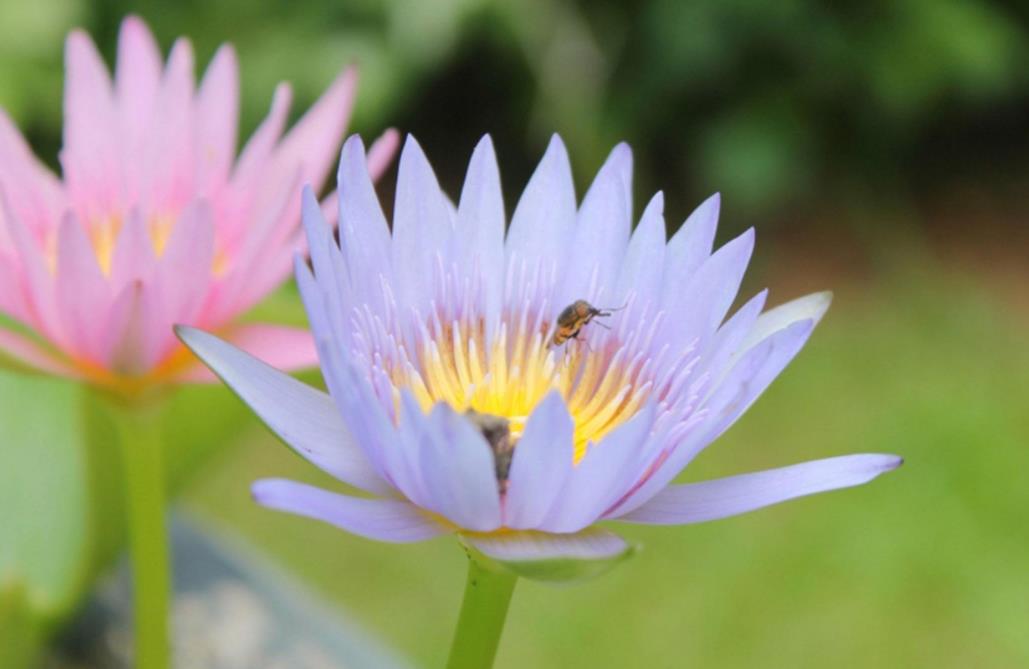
574 318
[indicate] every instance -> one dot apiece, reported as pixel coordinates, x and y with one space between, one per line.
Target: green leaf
45 515
61 518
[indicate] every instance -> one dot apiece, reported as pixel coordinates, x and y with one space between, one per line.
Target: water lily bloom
154 221
466 397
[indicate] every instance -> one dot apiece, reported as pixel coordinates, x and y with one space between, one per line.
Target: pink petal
167 162
35 195
382 152
137 80
38 284
262 263
30 353
315 140
12 298
91 167
133 256
132 333
250 168
184 270
217 113
83 295
259 147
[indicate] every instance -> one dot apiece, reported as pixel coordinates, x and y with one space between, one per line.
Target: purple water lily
469 395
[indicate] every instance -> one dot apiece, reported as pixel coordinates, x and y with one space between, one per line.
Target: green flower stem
486 598
144 483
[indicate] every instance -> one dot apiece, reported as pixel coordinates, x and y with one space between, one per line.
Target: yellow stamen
603 388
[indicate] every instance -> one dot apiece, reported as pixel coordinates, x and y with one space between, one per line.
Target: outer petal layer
554 557
721 498
305 418
381 519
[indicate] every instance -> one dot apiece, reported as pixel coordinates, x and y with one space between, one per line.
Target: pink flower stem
144 483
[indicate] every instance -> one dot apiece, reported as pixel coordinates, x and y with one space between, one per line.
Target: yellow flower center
602 386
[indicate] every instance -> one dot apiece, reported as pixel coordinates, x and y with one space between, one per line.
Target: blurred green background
881 150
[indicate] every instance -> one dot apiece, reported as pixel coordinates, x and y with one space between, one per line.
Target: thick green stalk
144 483
486 598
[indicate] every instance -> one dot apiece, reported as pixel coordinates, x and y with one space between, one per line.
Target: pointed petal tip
225 52
351 154
191 337
352 143
259 489
81 54
894 462
282 96
552 400
349 76
78 38
391 135
135 23
412 154
382 152
623 152
181 48
556 145
485 142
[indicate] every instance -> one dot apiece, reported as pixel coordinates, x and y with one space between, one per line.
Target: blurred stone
231 611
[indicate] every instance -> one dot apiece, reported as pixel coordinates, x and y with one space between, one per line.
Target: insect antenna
607 311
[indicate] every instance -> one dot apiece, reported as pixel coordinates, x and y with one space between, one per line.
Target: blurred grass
925 567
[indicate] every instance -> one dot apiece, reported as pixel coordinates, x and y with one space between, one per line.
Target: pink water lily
463 399
154 220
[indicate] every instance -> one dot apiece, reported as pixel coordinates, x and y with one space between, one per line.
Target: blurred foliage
61 511
771 103
61 519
